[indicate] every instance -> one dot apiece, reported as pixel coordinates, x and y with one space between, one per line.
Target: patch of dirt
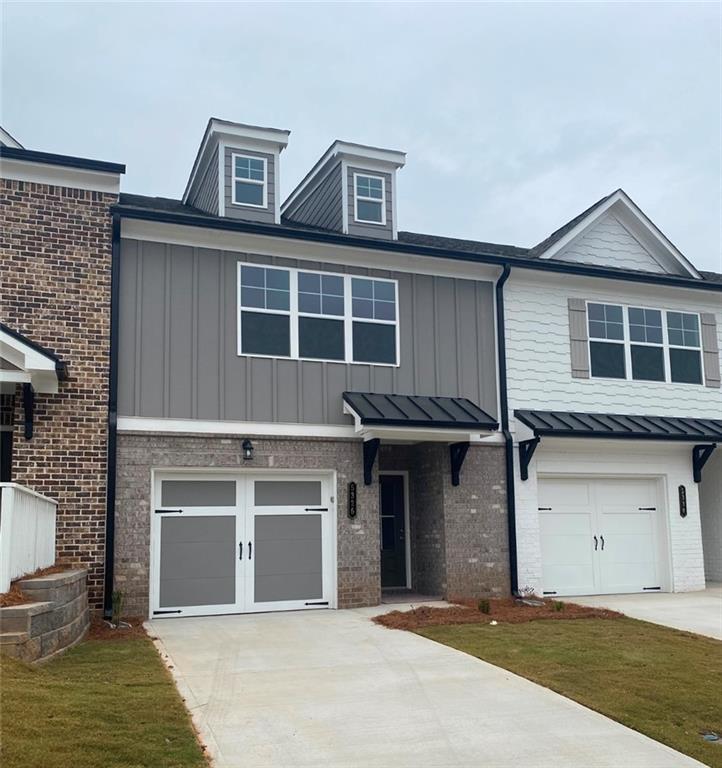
503 610
15 596
101 630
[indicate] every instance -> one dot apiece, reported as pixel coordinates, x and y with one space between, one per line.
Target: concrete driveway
330 688
699 612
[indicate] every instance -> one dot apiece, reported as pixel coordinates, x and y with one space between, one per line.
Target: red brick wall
55 260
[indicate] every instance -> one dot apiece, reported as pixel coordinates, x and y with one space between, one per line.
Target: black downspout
508 439
112 420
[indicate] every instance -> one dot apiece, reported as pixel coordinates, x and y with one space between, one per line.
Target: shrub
484 606
558 605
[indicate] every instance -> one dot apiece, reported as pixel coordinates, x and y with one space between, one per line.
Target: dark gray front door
393 533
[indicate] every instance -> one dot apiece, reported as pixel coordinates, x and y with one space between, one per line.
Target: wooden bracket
526 451
371 448
457 451
700 454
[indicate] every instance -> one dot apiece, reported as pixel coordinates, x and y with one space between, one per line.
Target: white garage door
225 544
599 536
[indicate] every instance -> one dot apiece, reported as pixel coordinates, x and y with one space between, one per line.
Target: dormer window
370 197
249 181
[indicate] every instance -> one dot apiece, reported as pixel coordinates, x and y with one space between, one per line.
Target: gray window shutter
710 350
578 338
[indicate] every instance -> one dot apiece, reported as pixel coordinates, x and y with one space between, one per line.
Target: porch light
247 447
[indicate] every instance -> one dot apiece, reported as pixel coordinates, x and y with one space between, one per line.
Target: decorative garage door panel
600 536
238 544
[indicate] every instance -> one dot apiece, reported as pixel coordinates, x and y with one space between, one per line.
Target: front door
393 531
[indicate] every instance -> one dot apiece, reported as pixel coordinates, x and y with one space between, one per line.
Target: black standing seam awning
618 426
419 411
615 426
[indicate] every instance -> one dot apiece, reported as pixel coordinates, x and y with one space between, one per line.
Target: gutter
109 564
400 246
508 439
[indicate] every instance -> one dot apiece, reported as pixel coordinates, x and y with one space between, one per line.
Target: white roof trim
273 140
355 154
59 175
33 367
620 200
8 140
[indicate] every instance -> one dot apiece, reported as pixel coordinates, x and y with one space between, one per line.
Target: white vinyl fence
27 532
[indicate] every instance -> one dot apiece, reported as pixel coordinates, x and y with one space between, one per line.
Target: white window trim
627 343
235 178
357 197
293 313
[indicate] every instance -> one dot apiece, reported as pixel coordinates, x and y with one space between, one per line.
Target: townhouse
309 407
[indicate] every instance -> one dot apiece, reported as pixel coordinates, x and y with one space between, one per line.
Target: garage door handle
240 550
596 543
602 540
250 549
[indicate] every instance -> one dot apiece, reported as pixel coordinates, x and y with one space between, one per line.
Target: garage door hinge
158 613
326 603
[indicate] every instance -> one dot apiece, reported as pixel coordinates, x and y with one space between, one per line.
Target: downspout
112 421
508 439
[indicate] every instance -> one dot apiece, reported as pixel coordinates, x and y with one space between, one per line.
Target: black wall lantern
247 447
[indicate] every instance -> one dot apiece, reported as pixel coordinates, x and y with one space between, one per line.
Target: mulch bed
504 611
15 595
100 630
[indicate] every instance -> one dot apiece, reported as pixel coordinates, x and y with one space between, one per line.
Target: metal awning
458 413
617 426
453 420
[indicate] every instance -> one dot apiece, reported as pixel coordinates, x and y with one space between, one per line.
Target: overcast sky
515 117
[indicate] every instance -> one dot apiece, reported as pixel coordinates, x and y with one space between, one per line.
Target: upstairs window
646 348
249 181
644 344
685 354
265 311
374 320
370 199
606 341
317 316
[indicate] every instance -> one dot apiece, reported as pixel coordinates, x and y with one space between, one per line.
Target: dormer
236 172
351 189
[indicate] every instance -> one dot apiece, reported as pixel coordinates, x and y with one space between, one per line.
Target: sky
514 116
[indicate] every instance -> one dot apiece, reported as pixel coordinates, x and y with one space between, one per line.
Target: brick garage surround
459 534
358 549
55 261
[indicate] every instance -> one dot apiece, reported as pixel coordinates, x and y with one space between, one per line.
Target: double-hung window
685 358
644 344
249 181
309 315
370 199
265 311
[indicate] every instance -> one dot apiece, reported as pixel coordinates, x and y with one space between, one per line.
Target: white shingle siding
609 244
538 349
670 464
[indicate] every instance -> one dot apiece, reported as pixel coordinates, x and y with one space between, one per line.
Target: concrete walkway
699 612
330 688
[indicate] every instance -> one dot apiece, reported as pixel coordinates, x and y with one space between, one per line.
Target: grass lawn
661 682
105 703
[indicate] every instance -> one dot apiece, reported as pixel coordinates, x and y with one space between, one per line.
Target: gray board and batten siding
178 354
370 230
205 196
322 206
266 215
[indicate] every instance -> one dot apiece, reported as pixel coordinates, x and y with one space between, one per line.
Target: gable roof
623 205
8 140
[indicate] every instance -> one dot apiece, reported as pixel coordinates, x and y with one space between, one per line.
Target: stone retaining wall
57 618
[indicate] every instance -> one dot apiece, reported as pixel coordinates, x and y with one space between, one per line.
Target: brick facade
459 534
55 262
358 552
